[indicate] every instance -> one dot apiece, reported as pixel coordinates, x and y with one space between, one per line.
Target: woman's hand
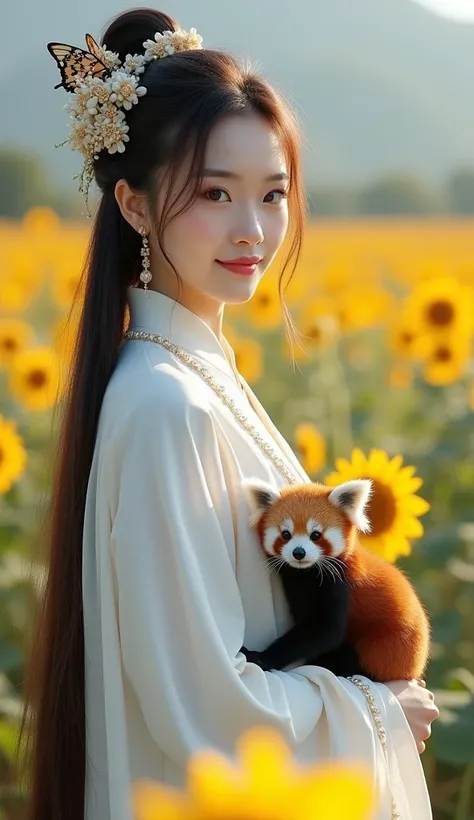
419 707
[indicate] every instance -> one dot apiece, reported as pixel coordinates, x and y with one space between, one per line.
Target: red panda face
306 525
303 543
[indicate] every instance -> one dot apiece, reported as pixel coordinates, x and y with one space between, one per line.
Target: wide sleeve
180 616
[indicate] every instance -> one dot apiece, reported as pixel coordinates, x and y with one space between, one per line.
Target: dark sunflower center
314 333
8 343
264 300
440 313
37 378
406 338
443 354
381 509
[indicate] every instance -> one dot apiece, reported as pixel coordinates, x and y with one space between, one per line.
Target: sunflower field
382 387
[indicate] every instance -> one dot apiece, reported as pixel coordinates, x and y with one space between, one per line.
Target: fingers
421 747
421 682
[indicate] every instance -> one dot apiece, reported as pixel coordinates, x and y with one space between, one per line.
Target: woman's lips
246 270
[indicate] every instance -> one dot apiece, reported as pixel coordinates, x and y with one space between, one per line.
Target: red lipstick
245 265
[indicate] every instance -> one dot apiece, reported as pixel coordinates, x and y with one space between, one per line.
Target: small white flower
109 58
114 133
81 136
134 64
125 90
170 42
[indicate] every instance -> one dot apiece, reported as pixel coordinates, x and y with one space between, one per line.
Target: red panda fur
387 623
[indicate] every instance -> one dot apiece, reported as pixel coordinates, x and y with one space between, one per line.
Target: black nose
299 553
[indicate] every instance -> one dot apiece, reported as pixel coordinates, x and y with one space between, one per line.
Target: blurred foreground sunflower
266 784
394 508
12 454
34 378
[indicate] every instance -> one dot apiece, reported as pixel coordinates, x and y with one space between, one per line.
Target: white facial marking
270 537
312 524
335 537
313 552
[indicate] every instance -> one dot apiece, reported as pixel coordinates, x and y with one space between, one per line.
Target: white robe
174 583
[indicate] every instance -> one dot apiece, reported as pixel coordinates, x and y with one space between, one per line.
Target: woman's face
239 212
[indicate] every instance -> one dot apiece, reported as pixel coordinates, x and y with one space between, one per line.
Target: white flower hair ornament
104 89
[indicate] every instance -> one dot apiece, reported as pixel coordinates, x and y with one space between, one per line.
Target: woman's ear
133 206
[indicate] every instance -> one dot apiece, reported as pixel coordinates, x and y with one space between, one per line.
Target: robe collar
158 313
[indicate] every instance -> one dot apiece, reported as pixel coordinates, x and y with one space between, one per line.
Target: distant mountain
379 86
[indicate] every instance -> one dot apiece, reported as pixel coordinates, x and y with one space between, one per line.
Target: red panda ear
260 496
351 497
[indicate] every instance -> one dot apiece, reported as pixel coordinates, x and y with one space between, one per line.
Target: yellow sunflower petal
393 467
213 783
338 792
359 461
412 528
415 505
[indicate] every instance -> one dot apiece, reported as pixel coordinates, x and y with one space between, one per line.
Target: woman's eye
283 194
286 534
213 195
214 191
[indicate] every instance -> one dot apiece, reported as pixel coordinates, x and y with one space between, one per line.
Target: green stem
465 791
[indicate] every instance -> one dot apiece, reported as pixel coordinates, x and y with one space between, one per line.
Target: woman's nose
249 231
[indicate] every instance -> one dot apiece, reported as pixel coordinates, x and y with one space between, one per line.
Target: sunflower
40 220
12 454
407 341
362 307
20 280
393 507
263 309
311 447
66 284
318 324
442 305
265 784
15 335
249 359
448 359
34 378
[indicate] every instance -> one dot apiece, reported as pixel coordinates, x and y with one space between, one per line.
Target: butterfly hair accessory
104 89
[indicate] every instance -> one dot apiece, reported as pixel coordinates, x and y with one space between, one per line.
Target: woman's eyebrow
219 172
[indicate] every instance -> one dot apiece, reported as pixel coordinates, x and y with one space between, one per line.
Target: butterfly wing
93 46
74 63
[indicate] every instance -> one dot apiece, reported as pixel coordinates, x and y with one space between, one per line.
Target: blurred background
383 295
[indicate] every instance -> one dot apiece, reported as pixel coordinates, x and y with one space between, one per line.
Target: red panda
353 612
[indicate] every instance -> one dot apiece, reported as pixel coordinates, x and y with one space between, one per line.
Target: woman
155 578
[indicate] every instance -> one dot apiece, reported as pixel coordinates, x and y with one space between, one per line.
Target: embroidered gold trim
288 473
375 712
